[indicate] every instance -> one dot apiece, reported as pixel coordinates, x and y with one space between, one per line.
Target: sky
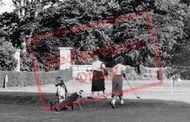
8 7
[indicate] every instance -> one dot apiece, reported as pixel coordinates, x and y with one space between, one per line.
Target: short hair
96 57
120 59
57 78
59 82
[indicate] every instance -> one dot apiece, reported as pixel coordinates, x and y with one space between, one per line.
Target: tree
169 30
74 12
167 19
7 60
28 11
9 23
186 2
8 27
30 7
2 3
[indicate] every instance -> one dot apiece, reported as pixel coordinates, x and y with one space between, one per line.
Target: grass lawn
24 107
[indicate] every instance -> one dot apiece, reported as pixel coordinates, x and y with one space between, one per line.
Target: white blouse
97 65
61 93
119 69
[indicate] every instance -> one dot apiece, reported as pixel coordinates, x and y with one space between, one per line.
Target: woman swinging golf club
117 81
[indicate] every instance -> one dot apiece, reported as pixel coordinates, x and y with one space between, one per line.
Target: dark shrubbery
20 79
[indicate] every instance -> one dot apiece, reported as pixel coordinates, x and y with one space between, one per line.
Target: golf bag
72 99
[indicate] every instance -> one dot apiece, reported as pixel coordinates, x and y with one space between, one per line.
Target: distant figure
61 90
173 79
117 81
98 78
5 81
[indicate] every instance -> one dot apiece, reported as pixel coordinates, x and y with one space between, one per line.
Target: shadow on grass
22 107
20 98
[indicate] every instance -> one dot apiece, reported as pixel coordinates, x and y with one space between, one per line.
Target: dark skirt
117 84
98 83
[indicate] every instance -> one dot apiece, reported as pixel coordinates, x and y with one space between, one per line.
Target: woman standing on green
98 78
117 81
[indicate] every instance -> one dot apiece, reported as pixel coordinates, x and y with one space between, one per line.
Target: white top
61 91
119 69
98 65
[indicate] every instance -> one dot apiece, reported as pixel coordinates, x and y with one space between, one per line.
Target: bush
20 79
7 51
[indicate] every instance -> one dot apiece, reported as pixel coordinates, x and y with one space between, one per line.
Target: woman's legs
114 98
121 99
104 94
92 93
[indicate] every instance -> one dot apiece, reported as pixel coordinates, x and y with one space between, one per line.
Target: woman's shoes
122 102
112 105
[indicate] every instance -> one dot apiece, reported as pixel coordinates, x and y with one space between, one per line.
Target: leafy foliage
8 34
168 20
7 59
169 29
1 3
9 23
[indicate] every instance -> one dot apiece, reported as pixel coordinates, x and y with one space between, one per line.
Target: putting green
22 107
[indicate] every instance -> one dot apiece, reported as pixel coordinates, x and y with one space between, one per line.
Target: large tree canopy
168 21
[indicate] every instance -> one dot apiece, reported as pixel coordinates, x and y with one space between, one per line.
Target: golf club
132 88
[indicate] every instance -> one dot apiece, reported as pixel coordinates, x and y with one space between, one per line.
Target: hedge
20 79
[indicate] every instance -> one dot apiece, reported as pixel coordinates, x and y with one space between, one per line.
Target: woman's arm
123 70
103 67
65 87
57 92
